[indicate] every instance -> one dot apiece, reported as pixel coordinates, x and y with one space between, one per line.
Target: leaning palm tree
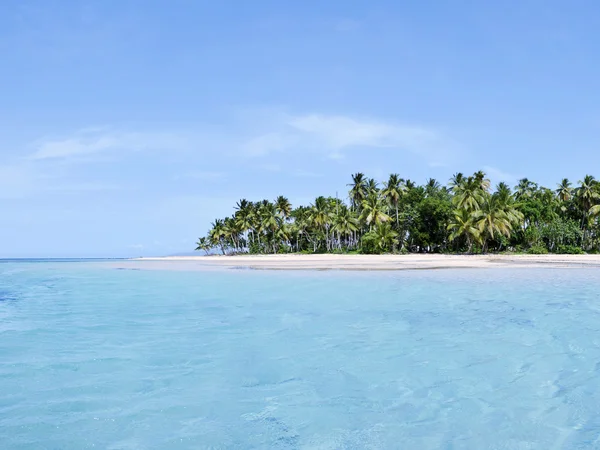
393 190
217 234
203 244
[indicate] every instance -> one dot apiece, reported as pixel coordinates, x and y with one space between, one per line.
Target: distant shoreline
365 262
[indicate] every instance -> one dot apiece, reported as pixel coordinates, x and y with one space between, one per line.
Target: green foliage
570 250
382 239
537 250
561 233
399 216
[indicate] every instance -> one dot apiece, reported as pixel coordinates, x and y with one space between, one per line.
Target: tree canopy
399 216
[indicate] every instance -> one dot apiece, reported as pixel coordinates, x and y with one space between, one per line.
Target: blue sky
127 126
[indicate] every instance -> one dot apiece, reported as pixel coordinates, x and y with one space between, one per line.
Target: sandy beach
365 262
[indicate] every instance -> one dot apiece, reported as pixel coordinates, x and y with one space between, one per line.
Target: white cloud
297 140
334 135
266 133
98 140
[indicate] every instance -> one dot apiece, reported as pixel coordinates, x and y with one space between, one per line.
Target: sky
127 126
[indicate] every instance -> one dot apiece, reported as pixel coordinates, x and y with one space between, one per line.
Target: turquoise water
92 357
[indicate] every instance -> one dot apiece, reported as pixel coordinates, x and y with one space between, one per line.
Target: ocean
95 357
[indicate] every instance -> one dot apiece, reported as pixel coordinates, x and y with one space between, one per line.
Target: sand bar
362 262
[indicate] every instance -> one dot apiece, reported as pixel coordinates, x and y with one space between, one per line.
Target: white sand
367 262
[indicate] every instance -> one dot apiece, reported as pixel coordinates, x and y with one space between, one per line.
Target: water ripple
101 358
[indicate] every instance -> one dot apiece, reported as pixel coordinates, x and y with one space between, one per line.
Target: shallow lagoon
92 357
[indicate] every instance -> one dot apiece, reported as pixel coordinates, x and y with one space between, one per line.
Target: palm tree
463 225
283 206
358 191
320 216
282 235
345 224
587 196
491 220
564 191
482 181
372 186
587 193
393 190
525 189
410 184
216 235
466 212
374 210
456 180
432 184
244 217
506 202
269 216
469 194
385 237
203 244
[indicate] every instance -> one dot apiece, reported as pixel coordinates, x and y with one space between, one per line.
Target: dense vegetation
400 216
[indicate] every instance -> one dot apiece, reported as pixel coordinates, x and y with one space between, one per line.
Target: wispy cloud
266 140
335 135
265 134
99 140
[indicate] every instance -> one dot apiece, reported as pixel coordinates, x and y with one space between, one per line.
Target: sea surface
94 357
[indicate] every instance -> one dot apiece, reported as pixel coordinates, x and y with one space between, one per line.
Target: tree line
399 216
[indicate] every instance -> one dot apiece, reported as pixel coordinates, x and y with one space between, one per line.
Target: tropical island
399 217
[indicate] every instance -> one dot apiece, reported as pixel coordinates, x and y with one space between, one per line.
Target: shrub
570 250
537 250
